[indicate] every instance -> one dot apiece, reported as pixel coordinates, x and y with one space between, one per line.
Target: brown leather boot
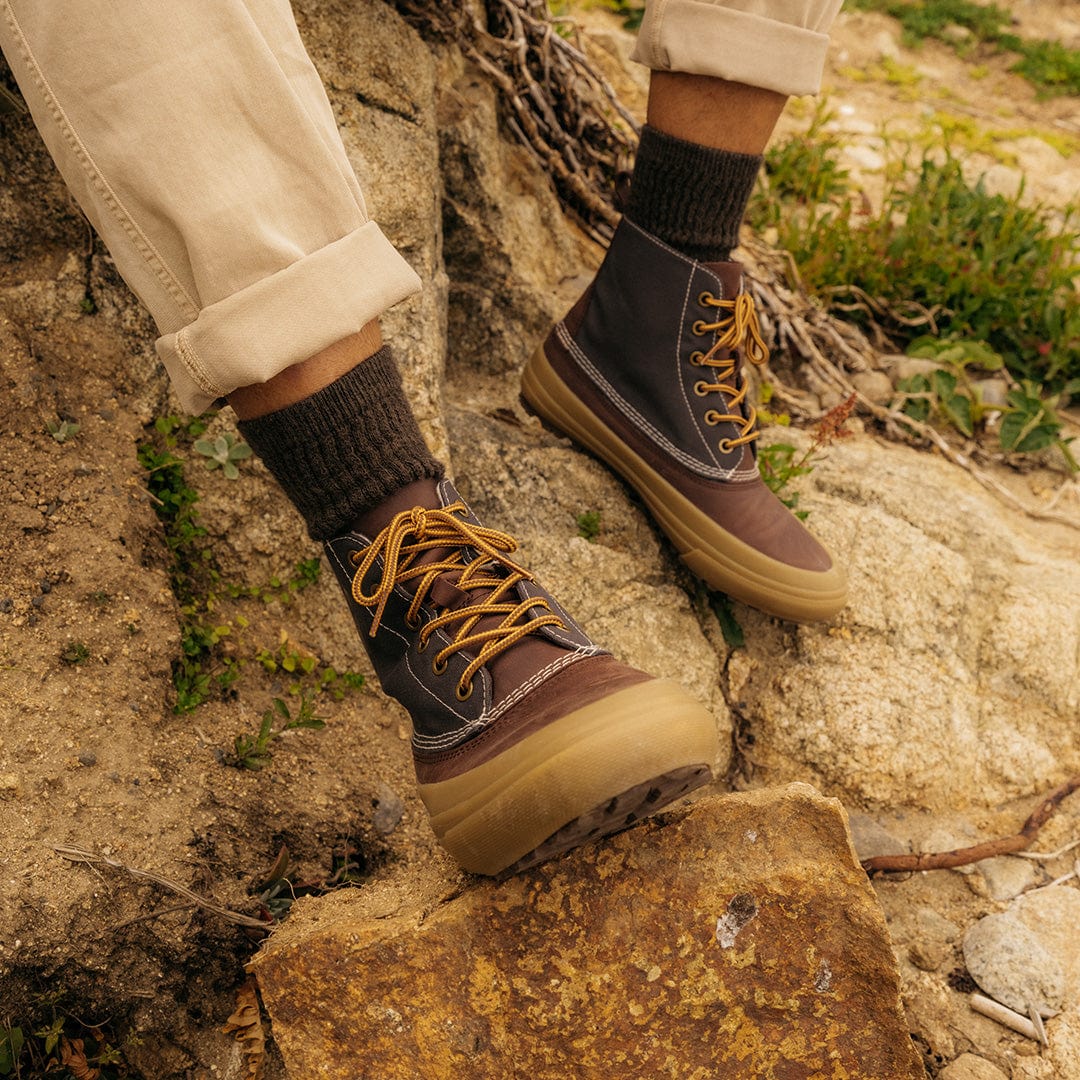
528 739
645 372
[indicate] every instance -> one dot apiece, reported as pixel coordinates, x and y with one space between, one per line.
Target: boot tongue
730 275
419 493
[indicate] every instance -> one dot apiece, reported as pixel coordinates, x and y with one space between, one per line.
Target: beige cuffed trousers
199 141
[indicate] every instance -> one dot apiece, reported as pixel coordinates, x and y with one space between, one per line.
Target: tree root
946 860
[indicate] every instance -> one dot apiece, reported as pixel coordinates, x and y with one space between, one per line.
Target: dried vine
560 107
945 860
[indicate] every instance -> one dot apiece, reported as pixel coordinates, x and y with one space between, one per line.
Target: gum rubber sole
617 814
716 556
589 773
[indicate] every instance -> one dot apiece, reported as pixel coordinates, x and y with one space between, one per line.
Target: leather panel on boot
746 508
590 679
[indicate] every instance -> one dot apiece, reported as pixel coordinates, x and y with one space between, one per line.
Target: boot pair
528 738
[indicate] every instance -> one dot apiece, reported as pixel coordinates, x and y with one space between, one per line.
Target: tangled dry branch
560 107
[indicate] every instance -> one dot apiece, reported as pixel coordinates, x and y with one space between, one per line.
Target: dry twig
90 859
945 860
1004 1015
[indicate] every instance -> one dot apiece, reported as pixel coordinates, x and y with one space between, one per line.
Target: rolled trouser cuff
772 44
287 317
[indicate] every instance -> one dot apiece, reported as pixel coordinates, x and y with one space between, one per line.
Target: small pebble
871 839
971 1067
388 811
87 758
6 605
1006 876
928 955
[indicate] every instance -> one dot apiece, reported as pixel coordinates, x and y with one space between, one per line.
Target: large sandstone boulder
737 939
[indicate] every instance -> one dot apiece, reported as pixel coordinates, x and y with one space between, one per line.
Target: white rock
971 1067
1007 876
1010 964
941 685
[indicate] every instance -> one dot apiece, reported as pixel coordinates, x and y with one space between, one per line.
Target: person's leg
645 370
201 145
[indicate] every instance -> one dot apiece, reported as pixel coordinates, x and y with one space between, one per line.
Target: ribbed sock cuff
691 197
344 449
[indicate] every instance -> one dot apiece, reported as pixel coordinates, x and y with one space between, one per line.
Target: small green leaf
957 408
280 706
729 626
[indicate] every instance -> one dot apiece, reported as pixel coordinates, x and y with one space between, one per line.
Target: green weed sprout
62 430
223 452
253 752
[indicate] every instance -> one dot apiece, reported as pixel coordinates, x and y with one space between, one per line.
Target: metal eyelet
701 388
699 327
696 357
422 644
464 695
412 622
725 446
712 418
705 299
437 668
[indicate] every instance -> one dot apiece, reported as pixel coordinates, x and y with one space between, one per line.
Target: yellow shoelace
738 330
431 529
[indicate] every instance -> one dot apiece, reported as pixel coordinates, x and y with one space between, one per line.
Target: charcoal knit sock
346 448
691 197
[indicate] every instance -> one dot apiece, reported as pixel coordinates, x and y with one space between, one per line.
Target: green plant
779 465
1048 65
223 453
292 660
62 430
305 573
725 616
74 653
12 1041
193 571
253 751
1030 422
50 1042
803 171
588 525
632 13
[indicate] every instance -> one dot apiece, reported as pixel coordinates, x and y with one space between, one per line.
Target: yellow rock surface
737 938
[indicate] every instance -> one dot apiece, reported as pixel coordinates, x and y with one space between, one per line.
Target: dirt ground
92 753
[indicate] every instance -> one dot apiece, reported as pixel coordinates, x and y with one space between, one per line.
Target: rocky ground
938 706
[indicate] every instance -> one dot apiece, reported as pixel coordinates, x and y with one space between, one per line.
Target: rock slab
737 938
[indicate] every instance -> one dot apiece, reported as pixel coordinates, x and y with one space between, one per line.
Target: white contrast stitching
633 415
